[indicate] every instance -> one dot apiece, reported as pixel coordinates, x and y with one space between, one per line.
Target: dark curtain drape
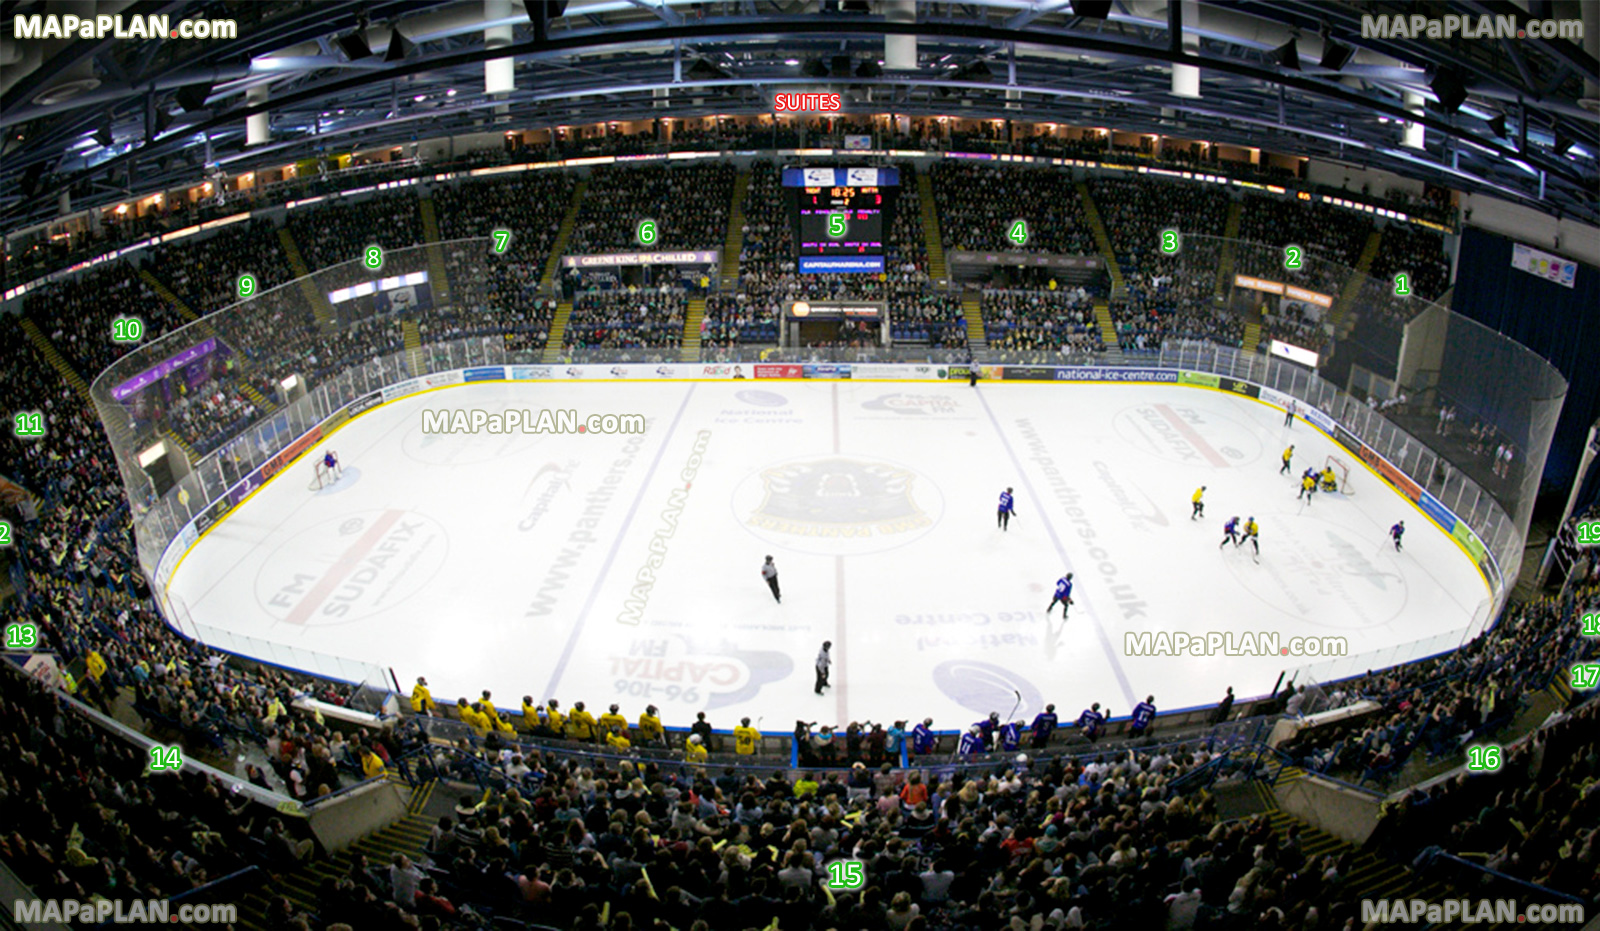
1559 323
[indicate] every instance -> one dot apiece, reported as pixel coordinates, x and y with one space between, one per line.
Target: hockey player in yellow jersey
421 698
555 720
650 730
745 738
611 719
580 724
1199 506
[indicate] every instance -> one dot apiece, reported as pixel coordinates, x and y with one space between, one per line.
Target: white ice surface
604 568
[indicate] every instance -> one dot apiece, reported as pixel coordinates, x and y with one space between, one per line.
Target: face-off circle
1308 562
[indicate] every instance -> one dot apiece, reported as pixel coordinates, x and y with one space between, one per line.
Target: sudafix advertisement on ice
898 372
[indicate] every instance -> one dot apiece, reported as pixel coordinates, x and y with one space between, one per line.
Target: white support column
257 127
499 75
1186 78
900 52
1415 135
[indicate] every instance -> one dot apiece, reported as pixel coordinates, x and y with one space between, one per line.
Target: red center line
346 564
1194 438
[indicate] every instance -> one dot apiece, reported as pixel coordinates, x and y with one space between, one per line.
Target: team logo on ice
352 567
984 687
838 505
1187 435
916 405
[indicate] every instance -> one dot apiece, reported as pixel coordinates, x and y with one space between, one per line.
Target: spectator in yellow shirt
371 763
421 698
650 730
745 738
611 719
580 724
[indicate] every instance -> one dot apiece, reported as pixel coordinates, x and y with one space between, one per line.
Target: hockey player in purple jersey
1230 533
1143 713
1063 595
1092 722
1043 726
1397 531
1008 509
971 742
1010 736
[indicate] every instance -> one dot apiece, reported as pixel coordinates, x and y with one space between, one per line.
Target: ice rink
626 568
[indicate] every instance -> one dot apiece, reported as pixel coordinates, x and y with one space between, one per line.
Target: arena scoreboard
841 217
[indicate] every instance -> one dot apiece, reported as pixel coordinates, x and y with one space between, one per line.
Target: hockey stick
1012 716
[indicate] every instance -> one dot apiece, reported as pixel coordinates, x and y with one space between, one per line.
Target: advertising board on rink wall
899 372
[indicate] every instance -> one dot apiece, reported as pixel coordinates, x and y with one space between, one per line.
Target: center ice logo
351 567
838 505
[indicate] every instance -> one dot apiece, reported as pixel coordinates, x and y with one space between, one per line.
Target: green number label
1169 241
1484 759
23 636
1585 676
1402 285
28 423
127 330
1591 625
1589 533
373 258
165 759
1019 232
502 239
247 285
5 533
647 234
846 874
837 224
1291 257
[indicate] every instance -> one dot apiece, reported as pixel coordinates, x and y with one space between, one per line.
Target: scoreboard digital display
841 221
841 216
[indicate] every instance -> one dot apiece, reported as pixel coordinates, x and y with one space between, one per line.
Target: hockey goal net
1341 473
324 474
